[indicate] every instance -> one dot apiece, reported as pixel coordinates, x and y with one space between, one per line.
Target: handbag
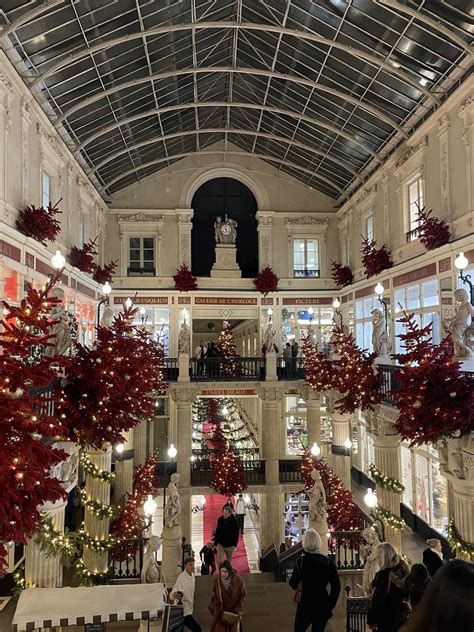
228 617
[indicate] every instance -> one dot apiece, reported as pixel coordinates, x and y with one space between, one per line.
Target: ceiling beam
44 6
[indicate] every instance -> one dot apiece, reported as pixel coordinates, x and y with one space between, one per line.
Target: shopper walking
183 589
240 512
433 556
227 535
228 594
207 556
310 578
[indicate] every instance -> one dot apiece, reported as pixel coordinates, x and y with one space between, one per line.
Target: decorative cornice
307 221
139 218
466 105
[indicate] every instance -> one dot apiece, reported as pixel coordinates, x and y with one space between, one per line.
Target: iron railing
171 370
345 547
227 369
306 273
411 235
289 471
357 609
126 560
164 469
201 474
290 369
388 383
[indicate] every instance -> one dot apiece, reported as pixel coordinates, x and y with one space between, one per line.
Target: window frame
410 222
317 270
45 176
141 270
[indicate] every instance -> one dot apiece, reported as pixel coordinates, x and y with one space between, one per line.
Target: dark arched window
217 197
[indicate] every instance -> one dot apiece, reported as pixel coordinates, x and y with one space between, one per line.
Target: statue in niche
184 339
107 317
380 340
151 571
461 326
172 515
370 557
317 510
60 328
225 232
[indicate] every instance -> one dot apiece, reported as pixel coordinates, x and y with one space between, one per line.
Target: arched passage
217 197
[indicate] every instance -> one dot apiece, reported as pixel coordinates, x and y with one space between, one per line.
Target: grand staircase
268 607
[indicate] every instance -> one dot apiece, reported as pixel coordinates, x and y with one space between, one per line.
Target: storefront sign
266 301
29 260
365 291
10 251
444 265
85 290
222 300
184 300
227 392
142 300
415 275
44 268
325 300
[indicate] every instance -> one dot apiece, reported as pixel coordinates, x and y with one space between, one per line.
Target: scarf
226 582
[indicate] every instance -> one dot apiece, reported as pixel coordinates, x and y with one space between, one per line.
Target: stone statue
380 340
107 317
317 510
371 559
461 326
269 340
151 571
172 514
225 232
60 329
184 339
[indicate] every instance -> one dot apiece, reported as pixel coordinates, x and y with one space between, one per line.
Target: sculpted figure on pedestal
225 232
269 340
107 317
368 552
317 509
60 329
380 340
461 326
172 514
184 339
151 571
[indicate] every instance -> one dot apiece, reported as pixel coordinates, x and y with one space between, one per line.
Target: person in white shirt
240 512
184 589
200 353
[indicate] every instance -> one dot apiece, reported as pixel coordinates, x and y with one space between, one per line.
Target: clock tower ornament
225 231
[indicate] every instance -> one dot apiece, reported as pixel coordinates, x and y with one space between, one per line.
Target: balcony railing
171 370
290 369
411 235
306 274
345 547
254 472
227 369
290 471
126 560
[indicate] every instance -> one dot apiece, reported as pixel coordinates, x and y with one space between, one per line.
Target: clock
226 229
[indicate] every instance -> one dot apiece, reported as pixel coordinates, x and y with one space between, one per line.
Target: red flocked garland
39 223
433 232
266 281
184 281
83 258
434 397
341 274
375 260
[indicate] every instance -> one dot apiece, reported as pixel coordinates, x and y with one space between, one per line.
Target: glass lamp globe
336 303
370 499
461 262
269 311
246 498
225 410
119 448
106 288
379 289
58 261
315 449
172 451
142 311
348 444
149 506
128 303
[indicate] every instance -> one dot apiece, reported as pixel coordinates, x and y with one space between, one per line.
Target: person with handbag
310 578
183 590
228 594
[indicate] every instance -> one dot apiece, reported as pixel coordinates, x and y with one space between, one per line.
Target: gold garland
384 481
96 472
457 543
389 518
98 508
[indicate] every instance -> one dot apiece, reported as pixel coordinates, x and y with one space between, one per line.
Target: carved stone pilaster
443 136
185 227
265 251
25 160
466 112
385 209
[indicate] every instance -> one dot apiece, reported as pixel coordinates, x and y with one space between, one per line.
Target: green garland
89 578
384 481
94 471
53 542
19 582
457 543
389 518
101 510
95 544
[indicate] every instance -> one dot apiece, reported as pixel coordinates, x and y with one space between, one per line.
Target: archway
217 197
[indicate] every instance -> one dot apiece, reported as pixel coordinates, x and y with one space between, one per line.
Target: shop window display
296 323
295 425
296 517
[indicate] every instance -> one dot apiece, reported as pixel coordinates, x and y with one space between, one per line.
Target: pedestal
272 519
183 368
171 560
341 431
226 264
271 367
270 443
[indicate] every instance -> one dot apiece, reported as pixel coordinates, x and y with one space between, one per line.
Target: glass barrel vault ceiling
321 89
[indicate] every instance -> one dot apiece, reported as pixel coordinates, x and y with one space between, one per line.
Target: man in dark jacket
433 556
311 575
227 535
207 554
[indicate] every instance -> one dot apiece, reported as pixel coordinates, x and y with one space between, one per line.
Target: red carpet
212 512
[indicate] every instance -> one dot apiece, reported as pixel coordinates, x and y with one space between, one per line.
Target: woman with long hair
388 609
448 603
228 594
416 583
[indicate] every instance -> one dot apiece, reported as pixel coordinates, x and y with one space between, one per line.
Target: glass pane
148 265
399 297
407 477
413 296
429 291
359 334
134 255
134 242
359 309
148 255
148 242
440 498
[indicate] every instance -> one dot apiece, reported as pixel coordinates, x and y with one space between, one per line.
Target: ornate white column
271 426
265 251
313 415
183 398
443 136
139 443
95 526
341 431
466 112
272 520
124 469
457 464
185 227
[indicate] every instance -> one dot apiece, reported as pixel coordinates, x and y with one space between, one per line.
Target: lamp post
311 316
144 315
269 314
58 261
371 501
315 450
149 509
461 262
106 289
172 452
379 290
337 304
348 446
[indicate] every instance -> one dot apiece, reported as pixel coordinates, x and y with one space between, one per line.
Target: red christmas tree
27 419
184 281
227 350
434 398
83 258
228 475
433 232
318 370
146 480
104 274
354 375
266 281
341 274
109 387
375 260
39 223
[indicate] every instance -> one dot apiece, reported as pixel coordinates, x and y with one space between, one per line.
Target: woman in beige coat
228 594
